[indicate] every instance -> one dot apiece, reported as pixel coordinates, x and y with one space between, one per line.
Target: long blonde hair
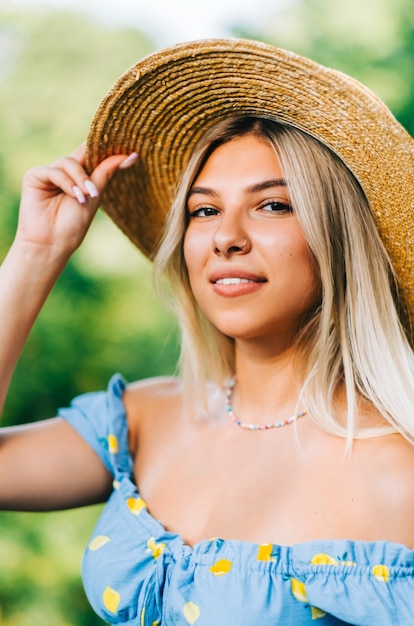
355 336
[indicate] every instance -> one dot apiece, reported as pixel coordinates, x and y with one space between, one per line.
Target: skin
205 477
241 196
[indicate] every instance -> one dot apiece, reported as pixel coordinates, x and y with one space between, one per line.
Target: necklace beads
247 426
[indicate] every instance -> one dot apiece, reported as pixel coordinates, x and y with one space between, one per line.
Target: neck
267 388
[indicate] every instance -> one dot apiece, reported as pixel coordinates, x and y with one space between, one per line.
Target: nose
229 240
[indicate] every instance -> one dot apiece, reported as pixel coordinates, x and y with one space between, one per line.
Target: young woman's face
249 265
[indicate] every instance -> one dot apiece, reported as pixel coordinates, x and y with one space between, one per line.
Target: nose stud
229 246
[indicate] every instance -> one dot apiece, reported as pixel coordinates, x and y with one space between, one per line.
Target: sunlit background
57 60
170 22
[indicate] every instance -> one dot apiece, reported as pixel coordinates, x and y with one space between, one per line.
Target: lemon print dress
136 572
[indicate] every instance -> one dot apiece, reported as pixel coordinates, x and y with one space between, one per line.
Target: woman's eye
276 206
204 211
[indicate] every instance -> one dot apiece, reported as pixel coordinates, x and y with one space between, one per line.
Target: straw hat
164 104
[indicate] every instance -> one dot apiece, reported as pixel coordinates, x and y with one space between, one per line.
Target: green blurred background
103 315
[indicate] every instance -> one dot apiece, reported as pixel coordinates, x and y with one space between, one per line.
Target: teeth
233 281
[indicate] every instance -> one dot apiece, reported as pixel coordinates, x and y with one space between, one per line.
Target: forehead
246 155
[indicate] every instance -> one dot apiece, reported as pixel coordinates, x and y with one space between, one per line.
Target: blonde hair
355 330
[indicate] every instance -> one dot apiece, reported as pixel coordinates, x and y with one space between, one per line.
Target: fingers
122 161
71 173
94 185
107 168
129 161
68 175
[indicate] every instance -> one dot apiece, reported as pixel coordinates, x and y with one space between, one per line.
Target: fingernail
79 194
92 190
128 161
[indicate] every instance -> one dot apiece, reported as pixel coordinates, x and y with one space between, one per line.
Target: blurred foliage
40 571
103 316
370 40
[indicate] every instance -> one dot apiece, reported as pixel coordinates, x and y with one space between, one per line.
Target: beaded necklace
229 393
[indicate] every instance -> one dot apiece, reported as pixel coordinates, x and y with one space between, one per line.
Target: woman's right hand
59 202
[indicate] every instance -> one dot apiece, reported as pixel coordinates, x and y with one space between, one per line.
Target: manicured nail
79 194
92 190
128 161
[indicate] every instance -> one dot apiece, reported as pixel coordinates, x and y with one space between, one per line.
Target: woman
281 463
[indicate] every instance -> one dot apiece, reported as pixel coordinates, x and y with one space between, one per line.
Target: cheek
312 274
305 267
195 248
188 252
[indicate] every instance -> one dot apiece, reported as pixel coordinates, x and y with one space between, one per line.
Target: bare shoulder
395 455
150 394
149 401
391 482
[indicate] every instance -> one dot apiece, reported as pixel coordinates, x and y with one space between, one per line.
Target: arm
40 462
48 466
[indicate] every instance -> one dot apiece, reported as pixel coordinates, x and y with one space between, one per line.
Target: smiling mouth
234 281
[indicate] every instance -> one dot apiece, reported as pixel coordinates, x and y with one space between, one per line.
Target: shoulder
149 401
391 474
152 391
396 456
392 455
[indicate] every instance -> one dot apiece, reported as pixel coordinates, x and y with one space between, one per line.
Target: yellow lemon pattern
221 567
112 444
326 559
299 592
157 548
133 562
136 505
381 573
348 563
111 599
98 541
156 623
191 612
265 552
323 559
317 613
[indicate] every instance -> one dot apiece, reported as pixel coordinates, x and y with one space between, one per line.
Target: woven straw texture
163 105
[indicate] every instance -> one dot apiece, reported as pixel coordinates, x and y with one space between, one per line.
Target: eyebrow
266 184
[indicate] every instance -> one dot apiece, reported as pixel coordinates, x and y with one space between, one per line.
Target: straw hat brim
163 105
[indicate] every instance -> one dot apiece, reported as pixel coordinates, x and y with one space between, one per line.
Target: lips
232 283
235 277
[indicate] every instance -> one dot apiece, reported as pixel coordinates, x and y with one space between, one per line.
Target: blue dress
136 572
